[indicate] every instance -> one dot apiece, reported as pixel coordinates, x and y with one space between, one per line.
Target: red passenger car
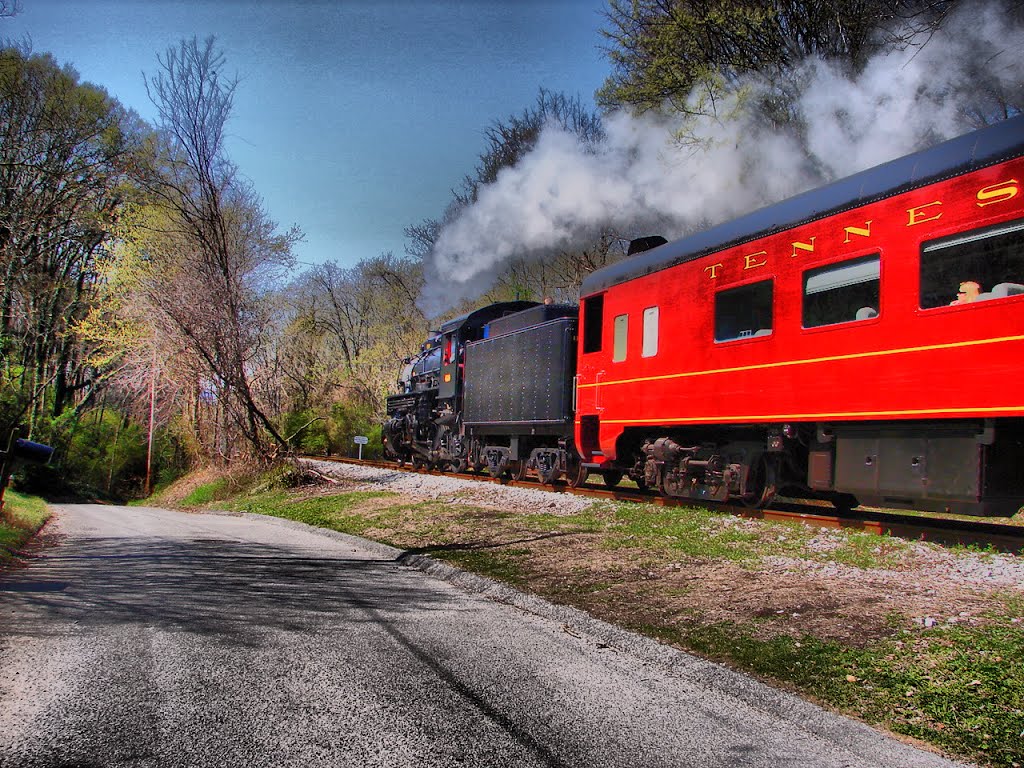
863 341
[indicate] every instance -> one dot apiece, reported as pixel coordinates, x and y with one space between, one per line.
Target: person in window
969 291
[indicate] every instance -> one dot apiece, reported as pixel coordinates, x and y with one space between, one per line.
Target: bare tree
509 140
350 328
557 273
212 252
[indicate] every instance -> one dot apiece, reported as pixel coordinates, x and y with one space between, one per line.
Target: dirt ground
912 585
849 606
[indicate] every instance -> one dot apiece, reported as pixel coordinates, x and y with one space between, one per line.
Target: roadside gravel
454 489
929 563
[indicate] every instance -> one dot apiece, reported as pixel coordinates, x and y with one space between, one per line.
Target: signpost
361 441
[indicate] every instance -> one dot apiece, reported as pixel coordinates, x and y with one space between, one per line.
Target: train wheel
575 473
458 466
612 477
517 470
418 463
761 486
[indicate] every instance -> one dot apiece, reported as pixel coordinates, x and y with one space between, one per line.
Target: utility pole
152 410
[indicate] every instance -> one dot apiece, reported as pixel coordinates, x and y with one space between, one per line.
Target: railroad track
947 530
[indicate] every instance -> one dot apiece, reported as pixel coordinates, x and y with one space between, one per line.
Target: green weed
504 565
213 491
856 549
958 687
331 512
22 517
693 532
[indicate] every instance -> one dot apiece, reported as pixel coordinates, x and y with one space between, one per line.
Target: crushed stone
455 490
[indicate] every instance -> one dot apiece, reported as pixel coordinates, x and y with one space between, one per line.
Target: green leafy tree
66 152
683 54
306 432
348 419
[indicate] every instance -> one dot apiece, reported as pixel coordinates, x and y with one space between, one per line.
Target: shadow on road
226 588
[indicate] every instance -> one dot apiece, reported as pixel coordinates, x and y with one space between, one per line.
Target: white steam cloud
641 175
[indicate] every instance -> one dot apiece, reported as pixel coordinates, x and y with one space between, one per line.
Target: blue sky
353 119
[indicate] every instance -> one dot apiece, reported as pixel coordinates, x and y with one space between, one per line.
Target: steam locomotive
862 343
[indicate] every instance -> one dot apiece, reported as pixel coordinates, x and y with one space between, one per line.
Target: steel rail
939 529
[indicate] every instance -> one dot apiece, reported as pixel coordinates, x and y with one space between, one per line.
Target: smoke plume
643 174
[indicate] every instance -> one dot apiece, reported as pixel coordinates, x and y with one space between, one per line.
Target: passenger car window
650 344
593 323
841 293
744 311
621 335
980 265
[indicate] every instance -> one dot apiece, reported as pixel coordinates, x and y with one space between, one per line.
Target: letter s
998 193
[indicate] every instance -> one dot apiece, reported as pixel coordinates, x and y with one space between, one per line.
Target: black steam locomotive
492 390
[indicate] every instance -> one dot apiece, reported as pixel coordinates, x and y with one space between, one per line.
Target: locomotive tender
862 342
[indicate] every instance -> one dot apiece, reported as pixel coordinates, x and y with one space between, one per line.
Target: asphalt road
154 638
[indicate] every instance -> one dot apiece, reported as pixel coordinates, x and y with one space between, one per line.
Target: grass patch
853 548
868 550
22 517
331 512
588 521
504 565
696 533
960 688
215 490
706 534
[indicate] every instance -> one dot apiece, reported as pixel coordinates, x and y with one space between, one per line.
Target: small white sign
360 440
